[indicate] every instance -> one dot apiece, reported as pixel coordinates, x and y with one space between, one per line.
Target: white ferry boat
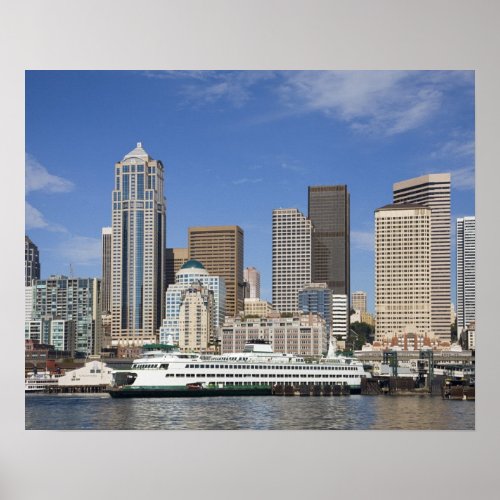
39 382
255 371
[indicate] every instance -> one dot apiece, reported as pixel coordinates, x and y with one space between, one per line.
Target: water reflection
352 412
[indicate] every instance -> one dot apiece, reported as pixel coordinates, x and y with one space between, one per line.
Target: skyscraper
403 270
220 250
138 264
433 191
106 242
292 233
329 208
252 282
31 262
174 259
466 272
358 301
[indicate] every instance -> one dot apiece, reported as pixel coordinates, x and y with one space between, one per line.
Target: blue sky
235 145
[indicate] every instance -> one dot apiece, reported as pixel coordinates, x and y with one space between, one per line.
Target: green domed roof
193 264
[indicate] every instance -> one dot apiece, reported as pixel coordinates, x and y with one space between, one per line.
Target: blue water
100 411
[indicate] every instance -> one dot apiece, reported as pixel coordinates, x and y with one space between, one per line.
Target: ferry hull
181 392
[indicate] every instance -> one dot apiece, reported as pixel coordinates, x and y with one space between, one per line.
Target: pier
311 390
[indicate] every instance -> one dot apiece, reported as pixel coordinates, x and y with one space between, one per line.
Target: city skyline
253 141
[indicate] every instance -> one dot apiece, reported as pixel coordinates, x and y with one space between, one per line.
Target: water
100 411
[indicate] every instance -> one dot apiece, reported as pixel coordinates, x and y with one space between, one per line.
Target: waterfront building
62 298
191 271
329 209
403 270
106 247
340 316
257 307
292 234
466 272
252 283
196 319
31 262
174 259
138 242
317 298
37 330
433 191
220 250
358 301
302 334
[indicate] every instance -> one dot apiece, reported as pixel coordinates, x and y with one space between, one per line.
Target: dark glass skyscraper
329 208
138 249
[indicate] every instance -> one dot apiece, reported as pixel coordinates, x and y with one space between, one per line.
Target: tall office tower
71 299
138 258
106 245
252 279
174 259
31 262
466 272
292 234
433 191
220 250
317 298
358 301
329 208
403 270
196 319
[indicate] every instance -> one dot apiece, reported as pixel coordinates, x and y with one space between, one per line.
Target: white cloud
389 102
463 178
455 148
38 178
34 219
80 250
246 180
206 87
293 166
363 240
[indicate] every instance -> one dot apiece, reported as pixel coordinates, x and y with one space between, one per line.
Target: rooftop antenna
71 270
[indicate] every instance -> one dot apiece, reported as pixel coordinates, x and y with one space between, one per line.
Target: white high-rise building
292 233
252 281
191 272
466 272
433 191
138 246
403 271
28 302
340 316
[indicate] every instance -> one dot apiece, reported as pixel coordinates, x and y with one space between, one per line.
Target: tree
360 334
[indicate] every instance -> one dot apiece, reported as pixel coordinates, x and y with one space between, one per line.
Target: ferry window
211 366
179 375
